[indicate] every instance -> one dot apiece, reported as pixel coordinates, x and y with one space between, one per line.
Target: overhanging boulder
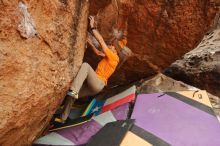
41 49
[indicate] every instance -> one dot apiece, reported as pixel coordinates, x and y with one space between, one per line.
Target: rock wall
41 49
201 66
159 32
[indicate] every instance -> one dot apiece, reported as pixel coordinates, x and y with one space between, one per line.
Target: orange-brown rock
39 56
159 32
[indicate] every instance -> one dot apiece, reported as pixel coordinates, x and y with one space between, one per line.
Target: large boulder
159 32
41 49
201 66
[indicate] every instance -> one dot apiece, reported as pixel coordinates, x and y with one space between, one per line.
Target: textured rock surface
159 32
36 71
201 66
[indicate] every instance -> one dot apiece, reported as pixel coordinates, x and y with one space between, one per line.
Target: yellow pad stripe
68 126
200 96
132 139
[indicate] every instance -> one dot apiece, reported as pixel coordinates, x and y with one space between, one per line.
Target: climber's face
111 47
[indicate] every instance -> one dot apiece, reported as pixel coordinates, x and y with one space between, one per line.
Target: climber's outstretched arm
97 34
95 50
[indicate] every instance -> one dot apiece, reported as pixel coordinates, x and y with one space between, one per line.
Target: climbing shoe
73 94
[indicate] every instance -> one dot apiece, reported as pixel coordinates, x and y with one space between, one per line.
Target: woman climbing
96 80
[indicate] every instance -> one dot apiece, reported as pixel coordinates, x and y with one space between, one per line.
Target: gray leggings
93 84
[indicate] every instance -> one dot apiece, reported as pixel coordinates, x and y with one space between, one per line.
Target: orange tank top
107 65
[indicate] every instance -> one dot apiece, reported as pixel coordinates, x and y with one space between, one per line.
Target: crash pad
111 134
105 105
89 107
176 118
69 123
77 117
81 134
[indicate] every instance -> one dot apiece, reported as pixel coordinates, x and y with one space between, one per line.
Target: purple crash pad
79 135
177 121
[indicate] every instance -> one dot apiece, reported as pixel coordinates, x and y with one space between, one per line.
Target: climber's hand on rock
92 21
97 52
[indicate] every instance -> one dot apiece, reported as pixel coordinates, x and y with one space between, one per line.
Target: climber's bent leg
80 77
67 107
86 91
94 83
